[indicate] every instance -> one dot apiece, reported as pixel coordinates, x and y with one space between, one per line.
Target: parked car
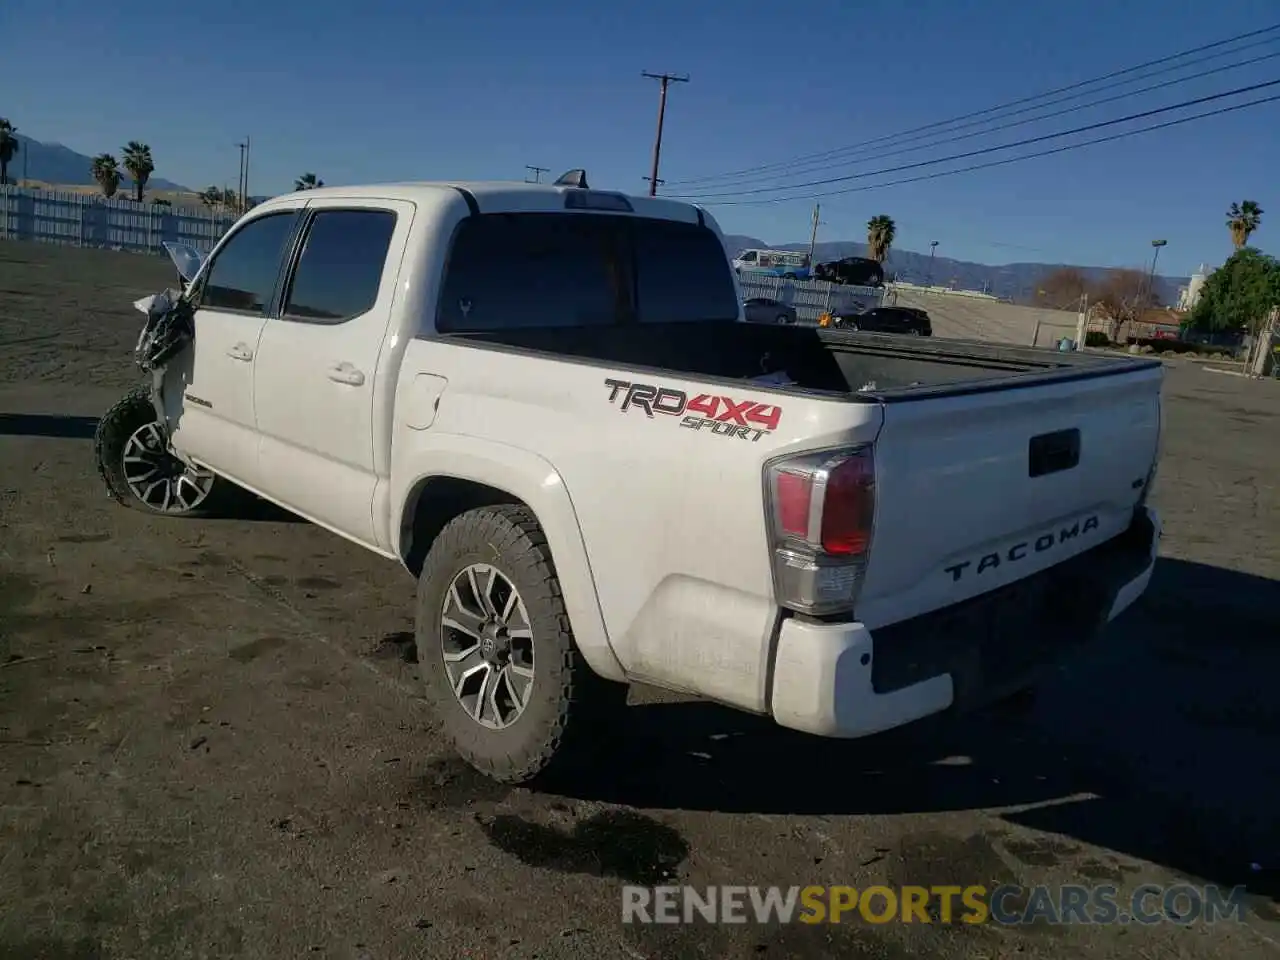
764 310
855 271
596 482
909 320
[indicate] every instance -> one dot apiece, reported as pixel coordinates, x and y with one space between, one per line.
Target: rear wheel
139 471
784 318
503 673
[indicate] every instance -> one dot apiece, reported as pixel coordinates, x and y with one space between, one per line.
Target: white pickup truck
543 402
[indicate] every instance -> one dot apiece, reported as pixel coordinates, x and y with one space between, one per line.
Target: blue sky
381 90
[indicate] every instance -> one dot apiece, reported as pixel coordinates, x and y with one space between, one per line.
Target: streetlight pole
1151 280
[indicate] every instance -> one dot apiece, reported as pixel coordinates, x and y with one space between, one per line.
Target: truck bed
860 366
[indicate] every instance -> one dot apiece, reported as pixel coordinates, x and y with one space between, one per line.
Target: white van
788 264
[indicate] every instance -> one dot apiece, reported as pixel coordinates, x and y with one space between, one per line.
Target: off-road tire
114 429
561 725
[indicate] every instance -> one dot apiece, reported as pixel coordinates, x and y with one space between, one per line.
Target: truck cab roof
501 196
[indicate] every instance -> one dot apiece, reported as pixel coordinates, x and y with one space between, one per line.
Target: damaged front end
170 325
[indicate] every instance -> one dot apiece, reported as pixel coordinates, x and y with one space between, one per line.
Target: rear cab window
508 271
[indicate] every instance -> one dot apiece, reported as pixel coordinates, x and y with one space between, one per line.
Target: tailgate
976 491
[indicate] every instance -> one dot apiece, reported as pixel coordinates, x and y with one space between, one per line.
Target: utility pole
933 245
537 173
813 234
244 149
649 180
664 79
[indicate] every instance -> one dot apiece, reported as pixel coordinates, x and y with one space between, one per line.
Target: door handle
240 351
346 373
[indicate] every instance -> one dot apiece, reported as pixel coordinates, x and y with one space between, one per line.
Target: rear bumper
838 680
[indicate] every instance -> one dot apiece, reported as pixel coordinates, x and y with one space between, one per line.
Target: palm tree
308 181
881 231
1243 219
137 160
8 147
106 171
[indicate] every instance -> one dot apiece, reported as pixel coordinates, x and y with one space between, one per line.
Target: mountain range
1015 281
55 164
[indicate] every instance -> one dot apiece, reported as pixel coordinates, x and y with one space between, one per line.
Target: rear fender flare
530 478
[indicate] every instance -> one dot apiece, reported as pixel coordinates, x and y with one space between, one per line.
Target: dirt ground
212 745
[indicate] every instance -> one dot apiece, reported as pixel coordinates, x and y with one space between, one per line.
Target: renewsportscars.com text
1008 905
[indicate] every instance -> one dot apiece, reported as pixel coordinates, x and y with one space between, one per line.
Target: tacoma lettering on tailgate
1019 551
718 414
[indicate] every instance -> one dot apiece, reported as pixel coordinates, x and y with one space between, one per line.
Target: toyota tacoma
543 402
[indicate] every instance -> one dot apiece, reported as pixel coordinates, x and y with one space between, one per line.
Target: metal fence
85 220
811 297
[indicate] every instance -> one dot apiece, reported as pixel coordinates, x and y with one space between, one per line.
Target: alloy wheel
158 478
486 640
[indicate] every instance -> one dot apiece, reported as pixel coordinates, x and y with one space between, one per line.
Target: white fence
811 297
85 220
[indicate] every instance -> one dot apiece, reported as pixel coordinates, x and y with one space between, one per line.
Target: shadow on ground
1173 728
244 506
47 425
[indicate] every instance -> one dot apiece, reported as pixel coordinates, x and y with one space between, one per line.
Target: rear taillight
821 513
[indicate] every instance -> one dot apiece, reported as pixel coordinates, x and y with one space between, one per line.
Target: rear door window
340 272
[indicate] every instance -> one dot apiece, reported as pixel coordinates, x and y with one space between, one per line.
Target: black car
908 320
854 271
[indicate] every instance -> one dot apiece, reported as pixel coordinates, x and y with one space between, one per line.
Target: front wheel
784 318
139 471
502 671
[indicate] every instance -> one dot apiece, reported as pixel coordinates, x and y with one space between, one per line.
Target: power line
990 110
900 149
1008 160
1004 146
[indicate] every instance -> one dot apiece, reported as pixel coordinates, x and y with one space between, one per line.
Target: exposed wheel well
432 504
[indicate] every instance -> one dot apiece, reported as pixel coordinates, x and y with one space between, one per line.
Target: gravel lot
211 743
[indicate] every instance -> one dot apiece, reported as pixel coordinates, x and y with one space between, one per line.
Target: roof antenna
574 178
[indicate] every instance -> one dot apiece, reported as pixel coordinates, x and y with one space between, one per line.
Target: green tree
1240 294
308 181
881 232
137 160
106 172
8 147
1243 219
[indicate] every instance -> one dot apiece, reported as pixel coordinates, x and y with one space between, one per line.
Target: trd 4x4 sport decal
744 419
